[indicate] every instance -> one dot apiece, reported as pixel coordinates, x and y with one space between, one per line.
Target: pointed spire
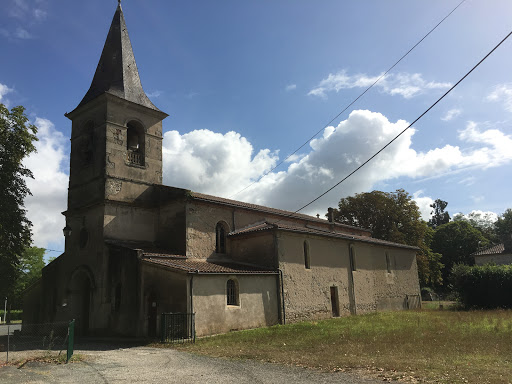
117 72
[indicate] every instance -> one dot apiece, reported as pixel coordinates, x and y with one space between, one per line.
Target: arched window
307 258
220 237
352 256
232 293
135 143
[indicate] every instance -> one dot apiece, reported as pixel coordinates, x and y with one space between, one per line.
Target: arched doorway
80 292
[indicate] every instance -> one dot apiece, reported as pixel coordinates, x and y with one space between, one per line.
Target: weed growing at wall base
428 345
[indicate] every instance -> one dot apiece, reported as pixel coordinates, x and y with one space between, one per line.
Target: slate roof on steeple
117 72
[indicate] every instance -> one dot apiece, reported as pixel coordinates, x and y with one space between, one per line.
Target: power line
352 103
409 126
52 250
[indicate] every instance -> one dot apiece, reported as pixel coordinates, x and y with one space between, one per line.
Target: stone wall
257 298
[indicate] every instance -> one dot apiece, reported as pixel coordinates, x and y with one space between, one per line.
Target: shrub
16 314
487 286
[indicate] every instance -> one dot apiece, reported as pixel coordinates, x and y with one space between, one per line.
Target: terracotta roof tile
314 231
493 250
203 266
146 247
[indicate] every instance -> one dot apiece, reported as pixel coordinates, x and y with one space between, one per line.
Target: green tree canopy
456 241
504 229
31 264
439 216
483 221
17 138
393 216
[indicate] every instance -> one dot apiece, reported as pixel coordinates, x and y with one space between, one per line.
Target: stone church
136 248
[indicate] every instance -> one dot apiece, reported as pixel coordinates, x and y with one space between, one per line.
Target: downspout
280 281
283 310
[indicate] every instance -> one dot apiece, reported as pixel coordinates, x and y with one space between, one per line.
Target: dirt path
153 365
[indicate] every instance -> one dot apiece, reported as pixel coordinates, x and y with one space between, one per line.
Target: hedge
487 286
16 314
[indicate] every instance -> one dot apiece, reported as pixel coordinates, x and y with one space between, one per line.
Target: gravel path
154 365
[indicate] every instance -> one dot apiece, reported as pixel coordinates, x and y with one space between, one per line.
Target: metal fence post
8 340
71 340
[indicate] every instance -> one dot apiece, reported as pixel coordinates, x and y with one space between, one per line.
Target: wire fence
26 341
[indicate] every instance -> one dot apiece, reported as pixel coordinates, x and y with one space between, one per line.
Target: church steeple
117 72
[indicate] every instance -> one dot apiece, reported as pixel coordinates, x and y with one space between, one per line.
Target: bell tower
116 138
116 152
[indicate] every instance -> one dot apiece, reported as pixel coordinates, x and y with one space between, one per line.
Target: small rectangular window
388 262
352 256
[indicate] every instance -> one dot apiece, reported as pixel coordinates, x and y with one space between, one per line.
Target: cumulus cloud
213 163
291 87
4 90
502 93
222 164
424 204
451 114
406 85
49 186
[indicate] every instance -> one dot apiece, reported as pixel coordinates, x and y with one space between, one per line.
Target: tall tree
31 263
393 216
456 241
439 216
483 221
17 138
504 229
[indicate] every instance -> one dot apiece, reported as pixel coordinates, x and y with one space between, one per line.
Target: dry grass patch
427 345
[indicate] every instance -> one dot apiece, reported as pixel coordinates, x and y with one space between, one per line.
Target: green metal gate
71 340
177 328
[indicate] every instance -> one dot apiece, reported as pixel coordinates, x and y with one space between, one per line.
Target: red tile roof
203 266
493 250
147 248
316 231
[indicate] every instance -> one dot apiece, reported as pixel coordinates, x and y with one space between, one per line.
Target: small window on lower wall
352 257
388 262
232 293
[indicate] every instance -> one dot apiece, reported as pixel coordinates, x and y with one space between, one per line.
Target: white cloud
502 93
451 114
154 94
467 181
291 87
424 204
4 90
211 162
406 85
40 14
22 33
483 219
222 164
49 186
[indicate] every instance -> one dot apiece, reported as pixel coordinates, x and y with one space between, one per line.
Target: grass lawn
426 345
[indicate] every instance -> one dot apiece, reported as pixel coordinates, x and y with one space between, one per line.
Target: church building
135 248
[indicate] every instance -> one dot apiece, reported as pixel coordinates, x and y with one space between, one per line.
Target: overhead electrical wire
405 129
352 103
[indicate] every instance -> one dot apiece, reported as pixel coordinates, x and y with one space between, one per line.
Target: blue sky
247 82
